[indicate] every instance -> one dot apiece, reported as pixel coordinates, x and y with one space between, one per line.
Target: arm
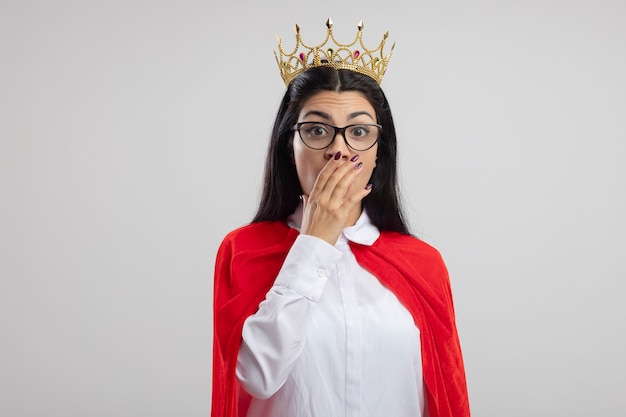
274 337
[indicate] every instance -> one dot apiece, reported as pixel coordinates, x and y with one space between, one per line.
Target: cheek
369 162
366 175
308 166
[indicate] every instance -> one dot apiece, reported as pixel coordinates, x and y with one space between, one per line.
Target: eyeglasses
318 135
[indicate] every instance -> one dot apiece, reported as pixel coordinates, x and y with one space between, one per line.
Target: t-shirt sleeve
273 337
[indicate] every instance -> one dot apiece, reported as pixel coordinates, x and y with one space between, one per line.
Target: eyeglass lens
320 135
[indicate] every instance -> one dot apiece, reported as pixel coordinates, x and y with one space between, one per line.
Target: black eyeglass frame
337 130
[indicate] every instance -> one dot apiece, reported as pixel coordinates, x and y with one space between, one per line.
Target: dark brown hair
281 187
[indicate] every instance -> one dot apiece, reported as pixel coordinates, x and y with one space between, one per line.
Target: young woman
326 305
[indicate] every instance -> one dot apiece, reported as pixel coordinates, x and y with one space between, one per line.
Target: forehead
337 103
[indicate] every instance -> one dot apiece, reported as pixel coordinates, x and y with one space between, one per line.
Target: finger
358 195
325 174
332 178
344 186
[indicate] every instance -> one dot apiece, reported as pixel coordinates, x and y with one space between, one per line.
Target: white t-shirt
329 339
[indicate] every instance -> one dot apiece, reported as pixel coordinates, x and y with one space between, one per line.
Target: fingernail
368 187
359 165
337 155
354 158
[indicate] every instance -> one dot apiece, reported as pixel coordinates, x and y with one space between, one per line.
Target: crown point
331 53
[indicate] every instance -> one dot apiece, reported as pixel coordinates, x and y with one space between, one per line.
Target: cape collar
363 232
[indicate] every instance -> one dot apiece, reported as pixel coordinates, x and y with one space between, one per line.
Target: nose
339 145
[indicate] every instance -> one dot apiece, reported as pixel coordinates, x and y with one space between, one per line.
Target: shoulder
412 253
249 258
407 245
397 258
256 236
415 258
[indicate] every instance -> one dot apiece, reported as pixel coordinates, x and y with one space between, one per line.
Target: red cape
248 262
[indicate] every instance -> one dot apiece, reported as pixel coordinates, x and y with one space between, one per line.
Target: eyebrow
326 116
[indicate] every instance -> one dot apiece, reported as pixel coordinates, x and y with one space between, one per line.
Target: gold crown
371 62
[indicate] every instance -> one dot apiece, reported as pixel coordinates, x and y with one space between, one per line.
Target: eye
316 130
359 131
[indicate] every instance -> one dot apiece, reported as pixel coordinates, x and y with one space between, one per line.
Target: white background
132 138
